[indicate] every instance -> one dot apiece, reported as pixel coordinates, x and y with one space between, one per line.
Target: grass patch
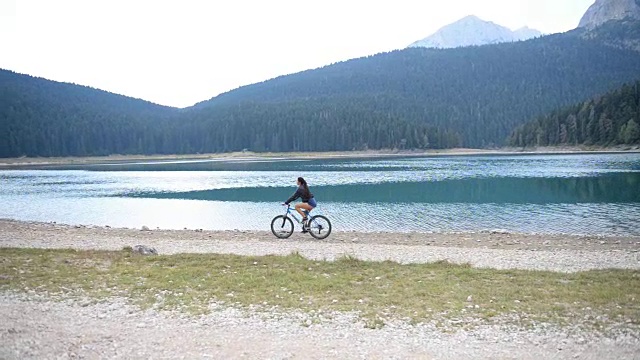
377 290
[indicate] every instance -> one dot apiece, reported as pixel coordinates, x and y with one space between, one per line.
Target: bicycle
318 226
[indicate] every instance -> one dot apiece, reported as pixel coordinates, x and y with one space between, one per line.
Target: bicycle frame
291 211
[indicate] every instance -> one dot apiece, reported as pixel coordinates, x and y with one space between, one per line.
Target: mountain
611 119
430 98
40 117
472 30
603 11
525 33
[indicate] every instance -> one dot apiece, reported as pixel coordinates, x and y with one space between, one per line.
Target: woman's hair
303 182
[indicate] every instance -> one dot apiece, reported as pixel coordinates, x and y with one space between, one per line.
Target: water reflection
610 188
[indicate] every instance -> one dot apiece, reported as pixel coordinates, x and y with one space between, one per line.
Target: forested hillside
475 95
606 120
40 117
412 98
624 34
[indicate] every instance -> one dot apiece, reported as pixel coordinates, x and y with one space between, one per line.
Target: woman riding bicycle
308 201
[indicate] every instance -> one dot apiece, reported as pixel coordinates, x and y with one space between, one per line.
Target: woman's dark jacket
300 193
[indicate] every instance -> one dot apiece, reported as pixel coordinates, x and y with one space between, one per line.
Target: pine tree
630 132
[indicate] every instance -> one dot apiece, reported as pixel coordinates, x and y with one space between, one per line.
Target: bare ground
36 328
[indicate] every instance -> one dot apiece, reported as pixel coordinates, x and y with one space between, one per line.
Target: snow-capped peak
471 30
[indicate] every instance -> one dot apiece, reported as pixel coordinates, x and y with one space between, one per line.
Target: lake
576 194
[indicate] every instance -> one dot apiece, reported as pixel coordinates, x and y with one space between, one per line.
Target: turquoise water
580 194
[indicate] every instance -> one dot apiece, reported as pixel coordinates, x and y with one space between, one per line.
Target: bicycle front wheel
319 227
282 226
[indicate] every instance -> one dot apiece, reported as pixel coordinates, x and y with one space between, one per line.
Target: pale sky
178 53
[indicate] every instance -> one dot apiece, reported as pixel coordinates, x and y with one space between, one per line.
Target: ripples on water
585 194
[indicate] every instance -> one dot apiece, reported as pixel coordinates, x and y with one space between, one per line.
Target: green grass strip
417 292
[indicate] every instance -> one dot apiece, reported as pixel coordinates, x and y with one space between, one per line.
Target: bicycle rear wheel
281 227
319 227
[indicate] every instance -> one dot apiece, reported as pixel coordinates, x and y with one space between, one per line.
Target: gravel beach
36 326
495 249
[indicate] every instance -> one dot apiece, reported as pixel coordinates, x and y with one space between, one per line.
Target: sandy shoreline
562 253
9 163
